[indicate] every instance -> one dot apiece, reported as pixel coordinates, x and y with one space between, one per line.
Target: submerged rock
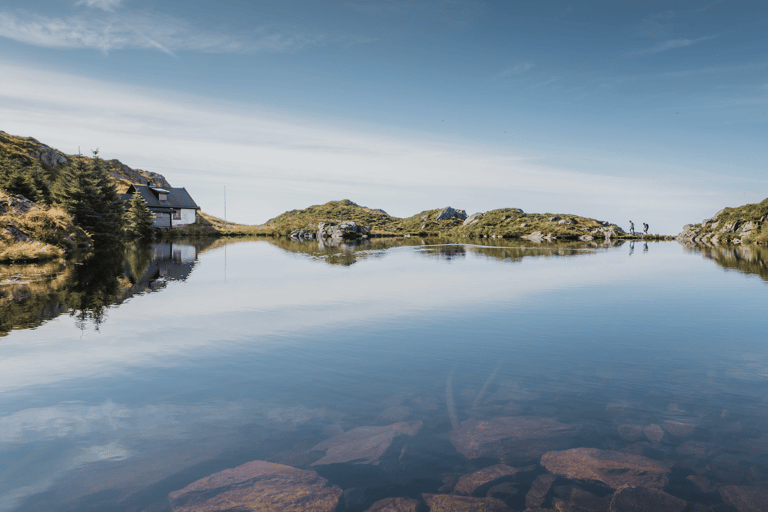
453 503
628 498
258 485
501 437
614 469
395 505
364 445
539 490
745 499
654 433
572 498
468 484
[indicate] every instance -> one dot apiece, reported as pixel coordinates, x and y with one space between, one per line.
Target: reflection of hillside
447 249
89 284
750 259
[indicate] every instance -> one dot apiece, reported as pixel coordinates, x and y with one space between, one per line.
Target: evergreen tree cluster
82 187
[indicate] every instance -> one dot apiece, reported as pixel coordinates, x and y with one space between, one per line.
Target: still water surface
125 379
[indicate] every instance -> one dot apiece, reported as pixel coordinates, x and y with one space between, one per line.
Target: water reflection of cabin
172 207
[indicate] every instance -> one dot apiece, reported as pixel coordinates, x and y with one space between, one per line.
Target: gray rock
586 238
473 218
636 499
343 231
554 219
451 213
567 221
536 236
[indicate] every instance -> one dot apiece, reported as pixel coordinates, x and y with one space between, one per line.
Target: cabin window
176 214
162 197
158 215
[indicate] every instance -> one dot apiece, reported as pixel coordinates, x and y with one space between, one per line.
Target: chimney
149 183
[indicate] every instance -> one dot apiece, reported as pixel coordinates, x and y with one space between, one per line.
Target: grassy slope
505 222
22 148
51 227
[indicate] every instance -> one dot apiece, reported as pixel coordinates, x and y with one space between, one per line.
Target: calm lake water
126 377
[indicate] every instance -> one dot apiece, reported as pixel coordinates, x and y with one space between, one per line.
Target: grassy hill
501 223
744 224
34 156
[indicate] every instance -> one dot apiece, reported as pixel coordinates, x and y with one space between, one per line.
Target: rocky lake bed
381 374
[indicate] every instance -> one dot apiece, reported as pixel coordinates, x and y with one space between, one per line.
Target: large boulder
508 437
613 469
343 231
258 485
451 213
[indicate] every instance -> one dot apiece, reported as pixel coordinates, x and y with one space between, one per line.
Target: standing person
645 228
632 227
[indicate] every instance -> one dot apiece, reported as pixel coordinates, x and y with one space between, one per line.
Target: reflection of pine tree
94 286
139 219
86 192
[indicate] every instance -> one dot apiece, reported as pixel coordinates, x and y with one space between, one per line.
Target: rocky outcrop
347 230
258 485
46 154
448 213
15 204
119 170
611 468
729 225
472 219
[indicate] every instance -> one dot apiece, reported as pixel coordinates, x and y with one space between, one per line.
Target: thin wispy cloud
670 44
517 69
106 5
108 31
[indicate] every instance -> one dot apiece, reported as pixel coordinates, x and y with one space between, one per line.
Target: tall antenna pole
225 207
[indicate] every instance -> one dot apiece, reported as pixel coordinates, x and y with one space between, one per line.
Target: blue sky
650 111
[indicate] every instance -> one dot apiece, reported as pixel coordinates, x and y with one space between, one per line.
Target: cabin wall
187 217
162 220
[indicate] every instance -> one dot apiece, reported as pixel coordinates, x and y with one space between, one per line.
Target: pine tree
139 219
86 192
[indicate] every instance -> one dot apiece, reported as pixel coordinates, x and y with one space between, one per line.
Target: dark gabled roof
177 197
